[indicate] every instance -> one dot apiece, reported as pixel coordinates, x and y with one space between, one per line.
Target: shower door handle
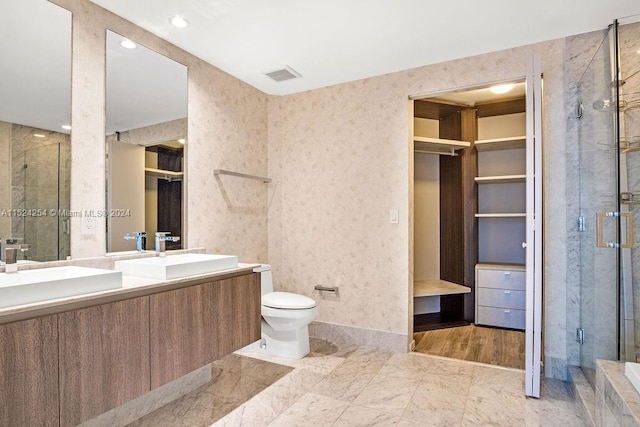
600 226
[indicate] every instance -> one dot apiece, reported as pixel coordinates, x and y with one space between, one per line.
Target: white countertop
132 287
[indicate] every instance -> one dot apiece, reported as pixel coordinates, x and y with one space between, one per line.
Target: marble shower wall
341 158
227 129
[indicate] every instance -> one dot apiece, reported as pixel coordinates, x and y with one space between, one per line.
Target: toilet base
293 344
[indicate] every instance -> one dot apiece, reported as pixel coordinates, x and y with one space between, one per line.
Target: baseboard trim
336 333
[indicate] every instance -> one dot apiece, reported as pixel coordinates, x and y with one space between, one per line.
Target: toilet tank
266 282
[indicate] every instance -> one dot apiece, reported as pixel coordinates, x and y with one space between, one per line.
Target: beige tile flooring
343 385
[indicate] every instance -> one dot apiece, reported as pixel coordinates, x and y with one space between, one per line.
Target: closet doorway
471 205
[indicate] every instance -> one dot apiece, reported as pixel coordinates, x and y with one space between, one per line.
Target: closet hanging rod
451 153
241 175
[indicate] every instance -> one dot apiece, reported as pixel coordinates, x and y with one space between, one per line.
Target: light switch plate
393 216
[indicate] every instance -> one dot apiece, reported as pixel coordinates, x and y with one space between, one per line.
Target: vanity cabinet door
104 358
191 327
182 332
237 308
29 373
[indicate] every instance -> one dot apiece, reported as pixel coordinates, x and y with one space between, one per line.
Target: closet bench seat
437 287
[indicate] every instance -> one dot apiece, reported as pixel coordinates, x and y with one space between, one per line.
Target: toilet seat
287 301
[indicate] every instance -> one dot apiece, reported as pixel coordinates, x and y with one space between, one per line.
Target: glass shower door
46 187
628 39
599 221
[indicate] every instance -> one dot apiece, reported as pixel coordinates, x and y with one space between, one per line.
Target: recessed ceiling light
500 89
128 44
181 140
179 21
39 135
66 127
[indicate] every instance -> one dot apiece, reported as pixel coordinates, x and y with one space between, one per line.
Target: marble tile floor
345 385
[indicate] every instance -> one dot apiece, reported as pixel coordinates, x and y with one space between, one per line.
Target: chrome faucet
161 238
140 237
10 248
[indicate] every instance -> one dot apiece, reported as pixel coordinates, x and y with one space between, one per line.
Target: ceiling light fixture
66 127
500 89
39 135
179 21
128 44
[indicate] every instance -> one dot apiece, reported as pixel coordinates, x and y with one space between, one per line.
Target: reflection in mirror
146 127
35 89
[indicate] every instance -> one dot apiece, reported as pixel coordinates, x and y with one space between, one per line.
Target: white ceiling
328 42
335 41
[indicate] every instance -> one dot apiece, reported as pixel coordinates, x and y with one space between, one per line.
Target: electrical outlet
88 225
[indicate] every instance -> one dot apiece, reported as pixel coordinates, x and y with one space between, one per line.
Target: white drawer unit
504 298
501 295
501 277
502 317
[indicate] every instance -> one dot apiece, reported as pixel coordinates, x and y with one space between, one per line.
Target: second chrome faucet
161 237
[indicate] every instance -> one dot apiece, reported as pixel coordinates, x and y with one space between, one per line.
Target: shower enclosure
41 183
608 177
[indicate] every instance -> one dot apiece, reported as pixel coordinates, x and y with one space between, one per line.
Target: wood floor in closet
493 346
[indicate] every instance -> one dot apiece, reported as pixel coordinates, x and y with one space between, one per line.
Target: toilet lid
287 300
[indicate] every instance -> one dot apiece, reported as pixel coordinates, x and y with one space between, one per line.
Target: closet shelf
436 287
500 179
501 215
427 145
501 143
164 174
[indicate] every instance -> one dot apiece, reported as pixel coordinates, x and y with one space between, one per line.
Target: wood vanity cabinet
191 327
182 332
238 316
67 368
104 358
29 376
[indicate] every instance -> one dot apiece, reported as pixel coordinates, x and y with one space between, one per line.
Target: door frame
534 236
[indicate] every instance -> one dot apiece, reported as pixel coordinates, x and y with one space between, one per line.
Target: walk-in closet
470 171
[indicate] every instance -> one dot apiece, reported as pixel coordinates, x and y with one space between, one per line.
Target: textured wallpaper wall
341 158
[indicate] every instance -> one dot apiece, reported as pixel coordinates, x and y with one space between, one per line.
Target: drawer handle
507 292
507 273
507 312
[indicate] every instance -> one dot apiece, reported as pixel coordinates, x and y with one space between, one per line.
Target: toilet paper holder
326 288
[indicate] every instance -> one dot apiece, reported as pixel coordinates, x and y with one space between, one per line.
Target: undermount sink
29 286
176 266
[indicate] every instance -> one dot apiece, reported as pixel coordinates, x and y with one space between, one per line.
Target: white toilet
285 319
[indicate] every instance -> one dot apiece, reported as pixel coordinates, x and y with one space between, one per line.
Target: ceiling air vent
286 73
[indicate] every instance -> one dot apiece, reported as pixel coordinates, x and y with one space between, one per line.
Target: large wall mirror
35 115
146 131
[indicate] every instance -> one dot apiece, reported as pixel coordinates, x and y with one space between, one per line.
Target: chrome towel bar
326 288
241 175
